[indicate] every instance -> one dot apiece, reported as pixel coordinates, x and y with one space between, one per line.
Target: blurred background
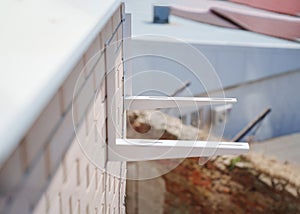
253 51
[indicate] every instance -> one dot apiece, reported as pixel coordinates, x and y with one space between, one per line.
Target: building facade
51 170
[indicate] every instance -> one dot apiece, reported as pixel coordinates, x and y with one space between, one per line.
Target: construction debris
251 183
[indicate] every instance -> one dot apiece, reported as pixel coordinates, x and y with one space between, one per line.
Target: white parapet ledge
40 43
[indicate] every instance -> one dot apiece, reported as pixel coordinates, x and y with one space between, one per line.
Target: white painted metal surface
141 149
152 102
124 149
40 42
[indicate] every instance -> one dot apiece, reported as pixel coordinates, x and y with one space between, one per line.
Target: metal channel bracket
148 149
121 148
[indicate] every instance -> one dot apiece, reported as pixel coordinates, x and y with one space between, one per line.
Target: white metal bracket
153 102
122 149
149 149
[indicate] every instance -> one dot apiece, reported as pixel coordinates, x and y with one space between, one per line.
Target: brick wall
50 172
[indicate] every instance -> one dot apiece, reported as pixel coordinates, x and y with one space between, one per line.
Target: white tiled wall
49 172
